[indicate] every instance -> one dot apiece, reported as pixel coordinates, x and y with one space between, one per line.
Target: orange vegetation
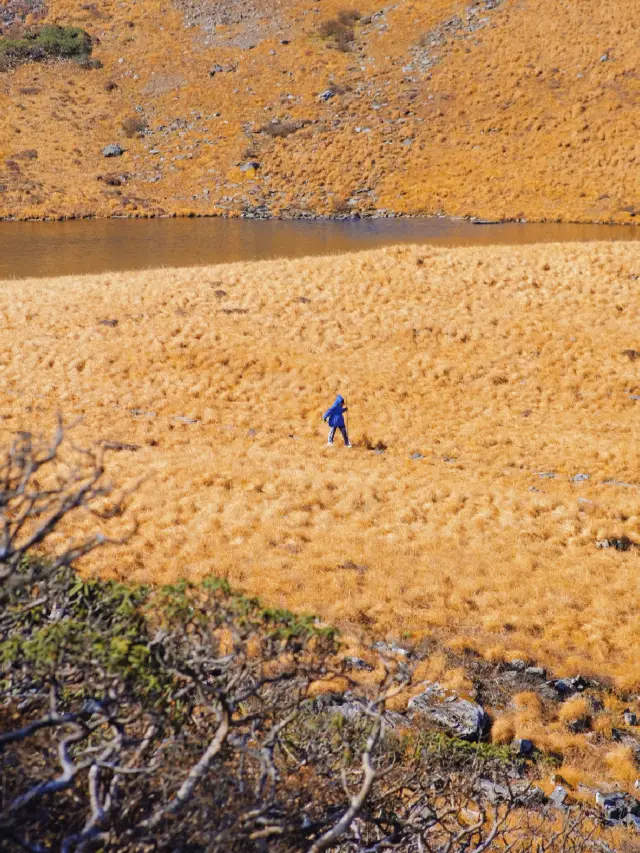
528 109
500 366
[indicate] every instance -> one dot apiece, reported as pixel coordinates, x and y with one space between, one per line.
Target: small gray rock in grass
523 746
114 150
558 797
535 671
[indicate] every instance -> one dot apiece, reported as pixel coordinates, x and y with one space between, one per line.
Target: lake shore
110 245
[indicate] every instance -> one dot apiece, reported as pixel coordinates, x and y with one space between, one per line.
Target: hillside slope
498 108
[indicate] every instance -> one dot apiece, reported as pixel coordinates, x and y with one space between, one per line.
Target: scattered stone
353 708
518 664
523 746
630 719
417 456
458 717
184 420
568 686
618 807
252 164
303 300
140 413
221 69
547 475
558 797
536 671
113 150
621 544
518 791
111 323
634 396
326 95
580 478
352 662
389 649
633 822
219 293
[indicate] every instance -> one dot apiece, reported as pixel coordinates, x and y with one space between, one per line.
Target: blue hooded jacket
334 414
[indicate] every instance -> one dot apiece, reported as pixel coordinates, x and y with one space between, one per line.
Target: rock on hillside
482 107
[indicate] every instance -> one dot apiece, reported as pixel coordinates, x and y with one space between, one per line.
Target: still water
92 246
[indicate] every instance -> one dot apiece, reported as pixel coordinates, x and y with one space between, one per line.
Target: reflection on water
91 246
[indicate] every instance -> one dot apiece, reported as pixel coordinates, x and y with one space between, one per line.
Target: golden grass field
496 364
529 109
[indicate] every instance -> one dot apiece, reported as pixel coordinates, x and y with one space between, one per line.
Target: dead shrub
281 129
349 17
134 126
27 154
340 33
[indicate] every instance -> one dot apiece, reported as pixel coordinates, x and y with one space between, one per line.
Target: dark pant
343 430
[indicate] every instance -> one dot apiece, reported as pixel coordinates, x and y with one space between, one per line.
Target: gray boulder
518 791
352 662
460 718
558 797
353 708
523 747
618 807
113 150
633 822
389 649
568 686
535 671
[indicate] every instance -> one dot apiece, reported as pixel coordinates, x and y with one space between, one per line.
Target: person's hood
339 400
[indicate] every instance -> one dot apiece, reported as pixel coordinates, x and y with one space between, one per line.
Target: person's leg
332 432
343 430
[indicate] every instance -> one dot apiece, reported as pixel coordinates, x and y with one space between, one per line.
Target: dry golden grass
519 117
495 364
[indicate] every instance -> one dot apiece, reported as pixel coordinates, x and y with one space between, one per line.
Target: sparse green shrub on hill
48 42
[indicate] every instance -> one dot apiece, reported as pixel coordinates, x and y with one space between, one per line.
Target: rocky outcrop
458 717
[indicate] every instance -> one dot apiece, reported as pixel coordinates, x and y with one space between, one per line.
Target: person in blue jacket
334 417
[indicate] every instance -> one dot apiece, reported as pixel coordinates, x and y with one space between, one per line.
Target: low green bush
48 42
